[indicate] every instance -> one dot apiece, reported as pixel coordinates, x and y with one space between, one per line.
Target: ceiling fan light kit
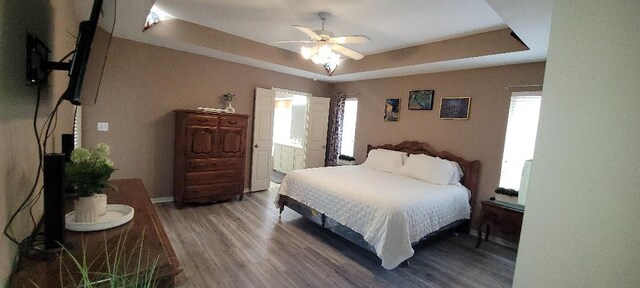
327 49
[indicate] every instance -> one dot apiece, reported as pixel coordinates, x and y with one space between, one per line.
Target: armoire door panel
201 142
231 142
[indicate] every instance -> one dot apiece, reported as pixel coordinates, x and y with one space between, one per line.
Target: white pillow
384 160
457 173
431 169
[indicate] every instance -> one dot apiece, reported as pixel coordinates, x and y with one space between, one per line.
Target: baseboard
495 239
161 200
170 199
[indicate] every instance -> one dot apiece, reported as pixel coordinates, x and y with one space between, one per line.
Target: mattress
390 211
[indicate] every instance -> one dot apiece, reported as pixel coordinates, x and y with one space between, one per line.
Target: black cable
51 116
47 123
32 204
49 133
26 245
7 227
106 56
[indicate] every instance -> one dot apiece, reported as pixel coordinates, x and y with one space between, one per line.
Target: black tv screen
81 56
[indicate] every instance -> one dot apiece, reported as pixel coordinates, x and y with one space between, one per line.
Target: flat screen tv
81 56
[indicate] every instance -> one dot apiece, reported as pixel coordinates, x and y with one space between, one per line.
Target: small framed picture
421 100
391 110
455 108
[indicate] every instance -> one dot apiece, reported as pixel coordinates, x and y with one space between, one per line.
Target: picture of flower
421 100
391 110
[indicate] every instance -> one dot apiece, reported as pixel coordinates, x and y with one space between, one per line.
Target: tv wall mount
38 64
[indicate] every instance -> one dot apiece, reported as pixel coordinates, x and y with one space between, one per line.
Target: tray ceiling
396 28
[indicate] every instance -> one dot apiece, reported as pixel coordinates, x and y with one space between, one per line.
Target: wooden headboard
471 169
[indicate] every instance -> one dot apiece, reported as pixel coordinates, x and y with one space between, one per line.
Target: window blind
520 139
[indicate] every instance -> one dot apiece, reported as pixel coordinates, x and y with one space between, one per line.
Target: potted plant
228 97
87 175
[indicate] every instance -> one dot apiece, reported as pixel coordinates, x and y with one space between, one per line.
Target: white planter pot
89 209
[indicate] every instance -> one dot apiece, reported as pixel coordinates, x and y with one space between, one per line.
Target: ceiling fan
325 43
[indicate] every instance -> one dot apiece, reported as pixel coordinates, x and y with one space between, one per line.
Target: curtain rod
523 86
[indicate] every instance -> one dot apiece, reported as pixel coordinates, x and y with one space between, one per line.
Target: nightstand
505 215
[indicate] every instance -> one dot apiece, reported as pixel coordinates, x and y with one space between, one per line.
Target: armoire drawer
196 165
214 190
202 120
233 121
211 177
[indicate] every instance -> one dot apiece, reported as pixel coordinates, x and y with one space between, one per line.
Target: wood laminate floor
246 244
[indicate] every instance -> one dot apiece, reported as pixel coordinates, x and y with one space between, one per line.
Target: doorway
290 132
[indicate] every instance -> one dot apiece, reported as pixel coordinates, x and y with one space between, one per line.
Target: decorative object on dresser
228 97
421 99
209 156
506 215
455 108
87 174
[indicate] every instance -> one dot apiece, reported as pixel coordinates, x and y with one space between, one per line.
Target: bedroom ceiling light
327 47
322 54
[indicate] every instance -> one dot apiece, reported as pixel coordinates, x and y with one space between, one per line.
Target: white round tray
117 214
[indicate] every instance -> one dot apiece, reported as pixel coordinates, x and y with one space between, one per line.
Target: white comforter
391 211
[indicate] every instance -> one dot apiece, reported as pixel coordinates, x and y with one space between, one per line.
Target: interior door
261 159
317 124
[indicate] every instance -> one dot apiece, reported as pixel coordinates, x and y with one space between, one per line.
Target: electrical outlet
103 126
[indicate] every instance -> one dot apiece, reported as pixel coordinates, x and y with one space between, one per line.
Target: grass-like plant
120 266
228 97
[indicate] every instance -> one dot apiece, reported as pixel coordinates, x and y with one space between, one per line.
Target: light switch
103 126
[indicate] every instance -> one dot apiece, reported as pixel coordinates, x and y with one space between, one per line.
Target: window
349 126
520 139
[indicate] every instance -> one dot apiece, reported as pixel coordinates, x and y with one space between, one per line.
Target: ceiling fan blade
353 39
293 41
347 52
307 31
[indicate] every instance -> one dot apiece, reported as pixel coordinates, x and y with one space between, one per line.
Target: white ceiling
390 25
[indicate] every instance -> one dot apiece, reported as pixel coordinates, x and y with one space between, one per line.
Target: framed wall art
421 99
391 110
455 108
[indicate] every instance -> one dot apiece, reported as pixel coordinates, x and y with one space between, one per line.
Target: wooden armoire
209 156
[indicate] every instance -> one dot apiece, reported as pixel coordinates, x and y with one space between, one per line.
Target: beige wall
581 223
479 138
49 20
141 86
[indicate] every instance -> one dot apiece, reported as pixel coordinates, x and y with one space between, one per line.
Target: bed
386 213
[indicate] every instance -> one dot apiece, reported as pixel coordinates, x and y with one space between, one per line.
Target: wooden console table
505 215
145 228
